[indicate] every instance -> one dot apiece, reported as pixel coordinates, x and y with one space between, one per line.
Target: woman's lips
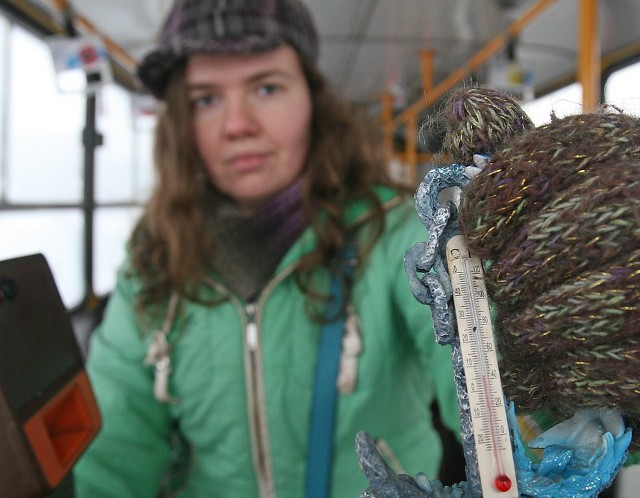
247 162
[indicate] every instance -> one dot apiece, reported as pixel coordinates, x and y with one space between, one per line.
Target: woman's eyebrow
269 73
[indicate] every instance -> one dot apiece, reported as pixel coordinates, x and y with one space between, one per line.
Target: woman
211 336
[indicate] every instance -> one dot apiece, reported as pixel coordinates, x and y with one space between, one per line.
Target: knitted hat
478 120
556 216
227 27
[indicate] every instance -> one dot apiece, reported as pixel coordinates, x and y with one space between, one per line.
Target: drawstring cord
158 355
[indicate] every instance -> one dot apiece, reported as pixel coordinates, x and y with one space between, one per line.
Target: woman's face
252 120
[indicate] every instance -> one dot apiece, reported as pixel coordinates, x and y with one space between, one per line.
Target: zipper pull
251 331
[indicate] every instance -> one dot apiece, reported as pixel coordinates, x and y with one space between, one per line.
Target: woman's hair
171 246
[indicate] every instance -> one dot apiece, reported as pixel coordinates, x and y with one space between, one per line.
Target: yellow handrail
409 116
589 55
474 62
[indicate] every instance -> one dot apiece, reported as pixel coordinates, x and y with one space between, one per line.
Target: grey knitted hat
229 27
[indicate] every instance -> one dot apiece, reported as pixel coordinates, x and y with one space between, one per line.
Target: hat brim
155 69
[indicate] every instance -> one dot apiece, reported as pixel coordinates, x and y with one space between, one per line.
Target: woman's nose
240 119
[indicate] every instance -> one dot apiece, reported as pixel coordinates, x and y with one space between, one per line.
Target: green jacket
242 377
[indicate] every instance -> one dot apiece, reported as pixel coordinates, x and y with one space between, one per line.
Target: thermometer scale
486 400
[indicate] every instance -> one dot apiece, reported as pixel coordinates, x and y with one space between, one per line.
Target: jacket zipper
256 404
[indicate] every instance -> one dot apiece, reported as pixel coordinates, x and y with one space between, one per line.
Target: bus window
123 179
562 102
55 233
123 161
621 89
112 228
42 163
44 154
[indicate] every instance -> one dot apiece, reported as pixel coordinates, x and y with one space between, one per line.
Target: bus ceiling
395 62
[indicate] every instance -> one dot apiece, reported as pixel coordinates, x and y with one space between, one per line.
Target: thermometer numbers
486 399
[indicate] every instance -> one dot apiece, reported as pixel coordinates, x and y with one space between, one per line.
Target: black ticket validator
48 414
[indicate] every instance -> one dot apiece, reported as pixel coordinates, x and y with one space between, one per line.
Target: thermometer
486 399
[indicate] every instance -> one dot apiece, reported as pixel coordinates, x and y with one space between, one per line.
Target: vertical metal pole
589 54
90 139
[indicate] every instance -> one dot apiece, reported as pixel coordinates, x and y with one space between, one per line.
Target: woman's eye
201 101
268 88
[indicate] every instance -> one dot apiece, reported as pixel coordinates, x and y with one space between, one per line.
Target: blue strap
323 408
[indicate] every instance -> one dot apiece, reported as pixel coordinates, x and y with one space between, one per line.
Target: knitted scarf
249 246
